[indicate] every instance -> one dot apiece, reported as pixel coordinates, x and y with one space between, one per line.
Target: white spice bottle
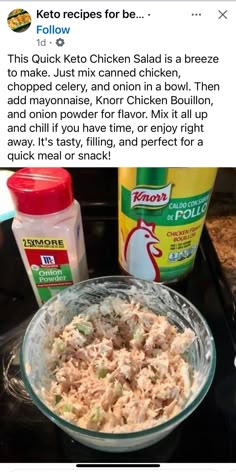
48 229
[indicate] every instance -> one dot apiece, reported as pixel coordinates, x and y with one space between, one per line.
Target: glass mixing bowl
60 310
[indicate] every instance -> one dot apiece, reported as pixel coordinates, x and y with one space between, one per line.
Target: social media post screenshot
119 83
117 281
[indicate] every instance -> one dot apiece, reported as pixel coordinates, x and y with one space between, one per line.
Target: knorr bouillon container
161 216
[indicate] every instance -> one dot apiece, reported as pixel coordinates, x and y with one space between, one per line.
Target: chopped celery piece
67 409
84 328
102 373
58 398
60 346
96 415
138 335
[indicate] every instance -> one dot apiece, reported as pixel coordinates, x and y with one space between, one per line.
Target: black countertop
208 435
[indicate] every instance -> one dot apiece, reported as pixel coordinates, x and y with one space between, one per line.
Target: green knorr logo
149 197
155 204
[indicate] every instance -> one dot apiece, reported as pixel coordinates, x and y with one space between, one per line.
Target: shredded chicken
119 367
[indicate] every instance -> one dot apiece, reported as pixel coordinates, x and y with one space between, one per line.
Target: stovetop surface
208 435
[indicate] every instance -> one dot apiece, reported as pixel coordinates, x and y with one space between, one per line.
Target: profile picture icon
19 20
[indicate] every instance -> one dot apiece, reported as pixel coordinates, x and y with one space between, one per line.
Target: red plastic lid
41 191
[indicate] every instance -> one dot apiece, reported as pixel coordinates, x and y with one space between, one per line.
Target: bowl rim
171 423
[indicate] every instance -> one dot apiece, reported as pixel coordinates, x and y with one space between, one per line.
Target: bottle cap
41 191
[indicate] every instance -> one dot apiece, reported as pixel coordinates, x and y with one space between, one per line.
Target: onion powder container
48 229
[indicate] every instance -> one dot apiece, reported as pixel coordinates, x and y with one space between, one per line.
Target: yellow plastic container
161 217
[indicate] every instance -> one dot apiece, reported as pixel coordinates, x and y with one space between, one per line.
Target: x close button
223 14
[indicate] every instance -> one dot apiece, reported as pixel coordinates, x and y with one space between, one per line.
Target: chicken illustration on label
161 205
140 245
